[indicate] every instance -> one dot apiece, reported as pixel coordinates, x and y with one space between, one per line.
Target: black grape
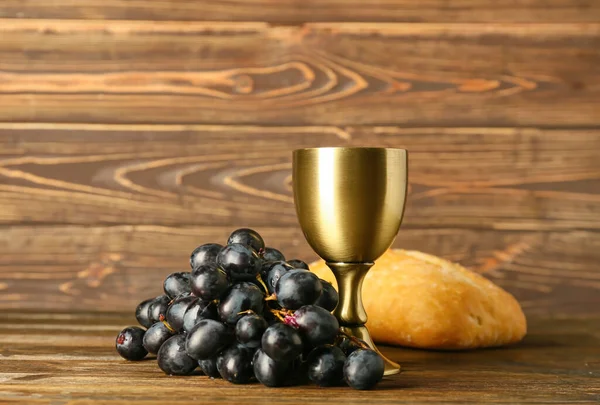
298 264
209 282
177 284
298 374
326 365
317 325
235 364
207 338
247 237
348 346
177 310
129 343
241 297
281 342
198 311
249 330
205 255
158 307
155 336
329 297
272 255
142 313
297 288
173 359
209 367
363 369
239 262
268 371
274 273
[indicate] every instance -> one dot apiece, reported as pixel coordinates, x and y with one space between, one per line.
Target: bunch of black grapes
244 313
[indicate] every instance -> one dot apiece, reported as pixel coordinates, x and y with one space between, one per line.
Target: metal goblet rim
340 148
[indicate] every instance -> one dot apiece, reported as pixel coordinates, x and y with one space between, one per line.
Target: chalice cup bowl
350 203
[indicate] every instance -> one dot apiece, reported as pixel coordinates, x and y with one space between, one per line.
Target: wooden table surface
66 358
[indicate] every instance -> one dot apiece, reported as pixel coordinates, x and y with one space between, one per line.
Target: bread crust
419 300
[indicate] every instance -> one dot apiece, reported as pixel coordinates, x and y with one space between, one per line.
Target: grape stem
260 280
277 314
281 314
272 297
168 326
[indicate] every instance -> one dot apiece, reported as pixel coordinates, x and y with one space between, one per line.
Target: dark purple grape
177 310
173 359
363 369
296 288
249 330
274 273
158 307
207 338
241 297
155 336
268 371
265 267
177 284
209 367
205 255
348 346
196 312
235 364
316 325
209 282
129 343
239 262
281 342
142 313
299 373
326 366
298 264
272 255
247 237
329 297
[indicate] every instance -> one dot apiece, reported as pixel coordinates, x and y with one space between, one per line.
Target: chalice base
361 332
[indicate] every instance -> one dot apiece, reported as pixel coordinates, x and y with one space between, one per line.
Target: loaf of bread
418 300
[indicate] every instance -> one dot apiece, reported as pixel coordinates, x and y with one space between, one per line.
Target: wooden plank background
312 74
132 131
300 11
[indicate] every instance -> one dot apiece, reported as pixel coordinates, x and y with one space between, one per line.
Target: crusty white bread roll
418 300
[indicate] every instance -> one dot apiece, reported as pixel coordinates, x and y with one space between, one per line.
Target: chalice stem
350 310
350 276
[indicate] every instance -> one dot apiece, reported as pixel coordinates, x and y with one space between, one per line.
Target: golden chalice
350 203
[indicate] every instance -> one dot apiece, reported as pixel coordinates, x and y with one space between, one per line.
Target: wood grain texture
315 74
184 175
114 268
498 103
69 359
299 11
